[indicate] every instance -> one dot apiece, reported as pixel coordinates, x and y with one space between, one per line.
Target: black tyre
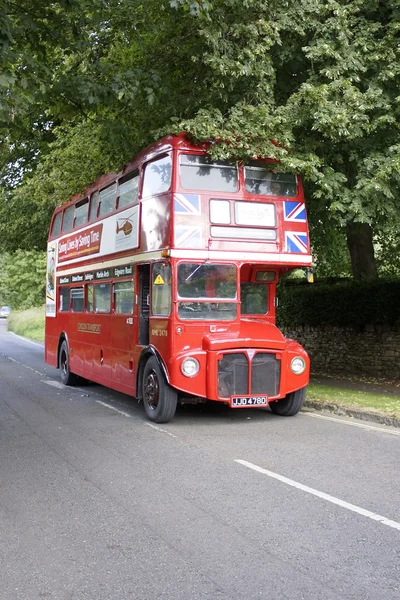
290 405
159 399
66 376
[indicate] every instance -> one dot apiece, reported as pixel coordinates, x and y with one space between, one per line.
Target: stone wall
373 350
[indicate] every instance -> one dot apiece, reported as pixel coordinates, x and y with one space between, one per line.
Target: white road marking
121 412
34 370
25 366
53 383
332 499
344 422
161 430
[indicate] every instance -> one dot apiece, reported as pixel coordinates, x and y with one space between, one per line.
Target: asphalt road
96 503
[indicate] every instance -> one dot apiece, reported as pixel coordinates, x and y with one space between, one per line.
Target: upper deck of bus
173 196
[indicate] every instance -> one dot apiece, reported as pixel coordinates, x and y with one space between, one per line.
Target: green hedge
342 304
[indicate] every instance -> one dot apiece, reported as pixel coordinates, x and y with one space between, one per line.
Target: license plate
243 401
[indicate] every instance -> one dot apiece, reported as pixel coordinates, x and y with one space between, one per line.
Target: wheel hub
152 390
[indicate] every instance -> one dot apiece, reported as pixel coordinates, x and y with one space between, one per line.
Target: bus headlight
298 365
190 367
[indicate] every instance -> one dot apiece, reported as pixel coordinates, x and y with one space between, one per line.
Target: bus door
144 304
123 334
161 306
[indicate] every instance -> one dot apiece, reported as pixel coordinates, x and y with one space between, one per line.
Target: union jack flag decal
296 242
187 204
295 211
188 237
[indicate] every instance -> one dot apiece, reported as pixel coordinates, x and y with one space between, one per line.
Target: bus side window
102 299
90 298
81 212
77 298
68 218
161 290
107 200
93 206
157 176
123 298
64 299
128 189
56 225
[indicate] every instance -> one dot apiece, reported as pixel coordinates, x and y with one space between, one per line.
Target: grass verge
353 399
29 323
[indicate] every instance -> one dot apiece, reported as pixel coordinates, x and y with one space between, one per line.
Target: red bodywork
108 347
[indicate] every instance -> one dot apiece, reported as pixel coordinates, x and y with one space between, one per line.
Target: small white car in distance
4 312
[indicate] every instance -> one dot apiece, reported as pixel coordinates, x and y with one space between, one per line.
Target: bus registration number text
242 401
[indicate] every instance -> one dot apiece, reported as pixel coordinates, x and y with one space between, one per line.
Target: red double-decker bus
161 282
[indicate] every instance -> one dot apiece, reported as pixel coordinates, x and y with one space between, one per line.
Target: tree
321 77
22 277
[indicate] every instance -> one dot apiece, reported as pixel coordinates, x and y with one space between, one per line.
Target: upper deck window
81 212
128 189
157 176
94 198
107 200
56 225
68 218
199 172
261 180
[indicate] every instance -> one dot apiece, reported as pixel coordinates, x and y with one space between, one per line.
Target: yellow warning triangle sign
159 280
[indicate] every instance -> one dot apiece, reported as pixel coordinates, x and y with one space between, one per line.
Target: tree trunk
359 242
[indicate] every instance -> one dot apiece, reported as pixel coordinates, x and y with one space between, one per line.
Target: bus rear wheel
67 378
290 405
159 398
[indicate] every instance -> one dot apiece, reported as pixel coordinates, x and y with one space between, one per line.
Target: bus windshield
204 282
261 180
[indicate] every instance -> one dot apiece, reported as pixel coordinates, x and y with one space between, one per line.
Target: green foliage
387 251
28 323
342 304
22 278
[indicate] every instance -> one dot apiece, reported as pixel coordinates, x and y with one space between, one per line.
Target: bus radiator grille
233 375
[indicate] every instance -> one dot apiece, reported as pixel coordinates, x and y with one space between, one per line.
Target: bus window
201 173
68 218
81 212
128 189
94 200
204 280
123 298
77 299
56 225
261 180
102 299
90 298
64 299
161 290
107 200
254 298
208 283
157 176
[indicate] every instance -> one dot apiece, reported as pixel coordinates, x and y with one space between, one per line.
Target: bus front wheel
290 405
159 398
67 378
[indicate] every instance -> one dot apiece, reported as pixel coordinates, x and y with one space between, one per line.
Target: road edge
343 411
